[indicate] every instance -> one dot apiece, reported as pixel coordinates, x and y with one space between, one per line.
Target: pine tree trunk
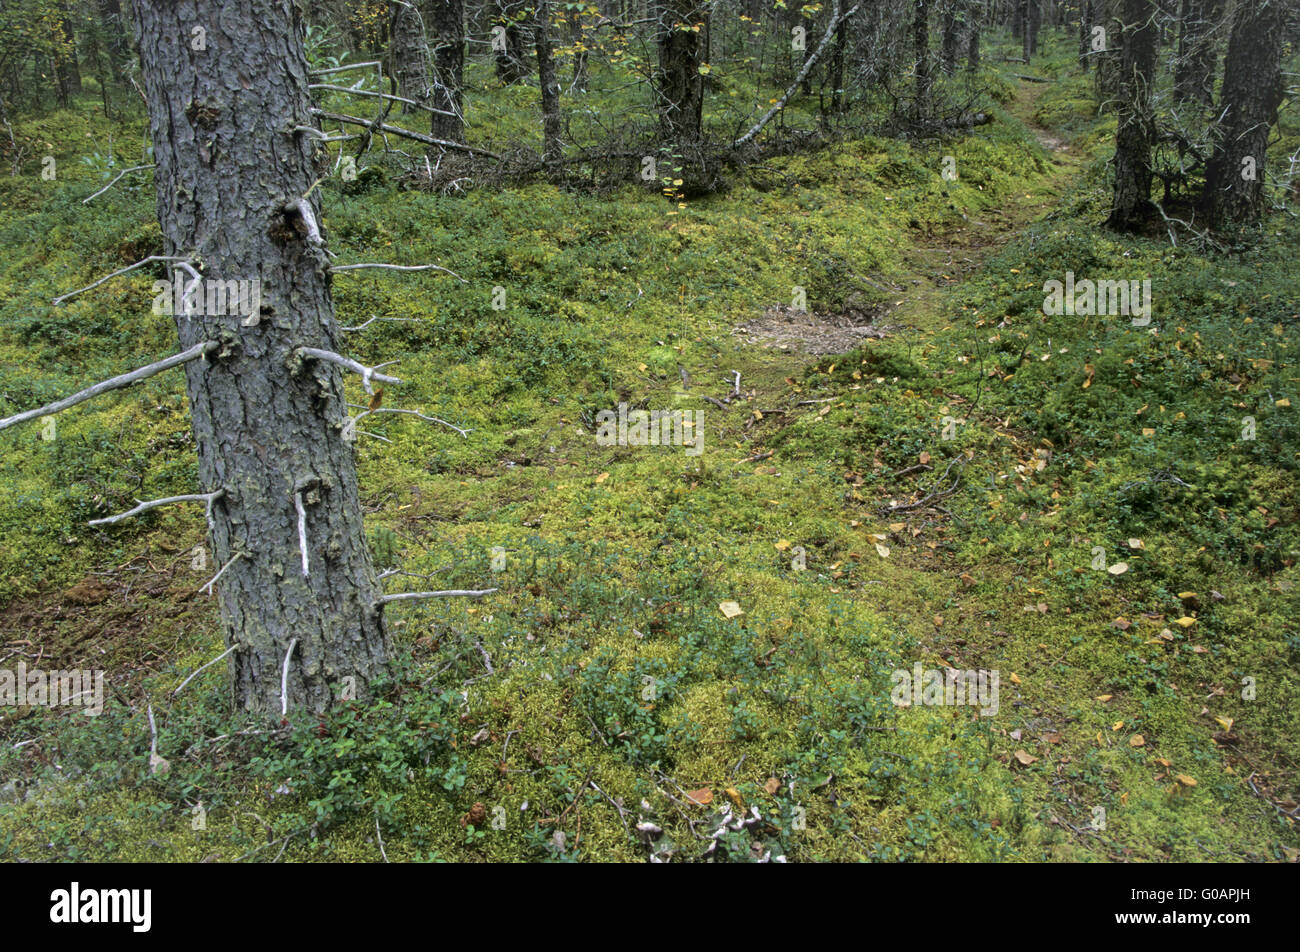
921 54
110 15
576 38
269 424
447 21
1132 206
409 53
552 148
1085 32
1252 92
681 92
1194 68
952 27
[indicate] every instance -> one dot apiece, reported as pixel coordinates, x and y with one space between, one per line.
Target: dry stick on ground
808 64
451 593
113 383
935 494
373 95
432 419
396 267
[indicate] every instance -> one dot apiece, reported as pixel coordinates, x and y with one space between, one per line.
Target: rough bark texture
267 425
1194 69
409 53
1133 137
447 23
921 54
954 23
577 39
679 85
1252 91
510 64
552 149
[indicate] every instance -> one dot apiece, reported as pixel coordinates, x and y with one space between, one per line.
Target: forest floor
919 468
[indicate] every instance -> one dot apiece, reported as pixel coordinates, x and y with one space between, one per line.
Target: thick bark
510 64
577 39
447 21
269 425
1252 92
921 55
552 148
1194 68
678 81
110 15
1132 206
409 53
954 23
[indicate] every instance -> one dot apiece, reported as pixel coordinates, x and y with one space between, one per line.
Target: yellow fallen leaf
1025 757
702 797
782 545
1104 697
1185 780
1225 722
1284 402
882 550
1014 678
772 786
1119 568
1185 622
1137 740
601 478
730 609
1117 725
734 796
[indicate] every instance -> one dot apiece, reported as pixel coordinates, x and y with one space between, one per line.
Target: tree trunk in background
953 21
408 53
1085 33
1109 63
552 149
576 38
269 425
679 85
110 15
921 55
1252 92
837 66
1194 68
447 21
67 70
1133 137
510 64
976 10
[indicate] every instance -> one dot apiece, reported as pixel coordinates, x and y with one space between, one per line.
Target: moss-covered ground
1148 713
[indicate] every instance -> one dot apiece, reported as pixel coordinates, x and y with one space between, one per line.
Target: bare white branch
212 581
397 267
808 64
466 593
134 168
206 498
284 679
199 671
422 416
396 320
131 267
367 373
302 529
113 383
